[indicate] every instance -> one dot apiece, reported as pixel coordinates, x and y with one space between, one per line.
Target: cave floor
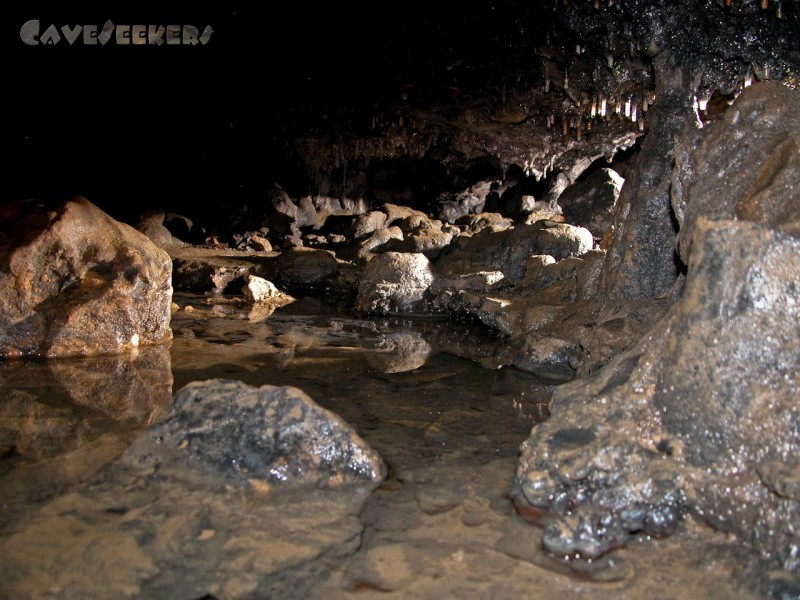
441 525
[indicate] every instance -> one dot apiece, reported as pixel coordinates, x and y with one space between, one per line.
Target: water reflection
400 351
51 406
415 391
63 419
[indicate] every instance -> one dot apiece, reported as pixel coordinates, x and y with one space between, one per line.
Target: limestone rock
509 250
455 205
257 289
394 282
303 269
430 242
487 220
365 224
76 282
151 223
561 240
230 431
670 428
548 357
724 178
590 202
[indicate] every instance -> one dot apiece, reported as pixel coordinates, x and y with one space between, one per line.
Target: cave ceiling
303 95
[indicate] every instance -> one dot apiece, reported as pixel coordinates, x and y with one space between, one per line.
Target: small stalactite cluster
586 91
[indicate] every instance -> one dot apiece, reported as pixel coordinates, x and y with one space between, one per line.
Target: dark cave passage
509 261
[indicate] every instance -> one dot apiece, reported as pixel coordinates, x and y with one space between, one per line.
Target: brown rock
76 282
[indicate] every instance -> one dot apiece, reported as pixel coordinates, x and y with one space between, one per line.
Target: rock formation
76 282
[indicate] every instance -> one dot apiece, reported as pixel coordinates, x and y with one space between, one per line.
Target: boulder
259 290
73 281
394 282
227 430
590 202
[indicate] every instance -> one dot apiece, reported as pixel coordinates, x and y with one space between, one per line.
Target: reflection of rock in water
136 387
400 351
62 420
44 410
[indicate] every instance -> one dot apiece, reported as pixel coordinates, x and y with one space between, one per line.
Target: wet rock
641 261
590 202
64 419
368 223
76 282
744 303
375 243
508 251
257 290
216 271
122 536
540 210
656 453
135 387
499 313
758 181
253 241
231 431
462 295
561 240
303 269
386 568
428 241
488 251
548 357
493 221
455 205
394 282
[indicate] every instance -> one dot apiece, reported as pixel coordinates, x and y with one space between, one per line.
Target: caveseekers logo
32 34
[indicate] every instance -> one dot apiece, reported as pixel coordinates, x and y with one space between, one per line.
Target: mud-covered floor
441 525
